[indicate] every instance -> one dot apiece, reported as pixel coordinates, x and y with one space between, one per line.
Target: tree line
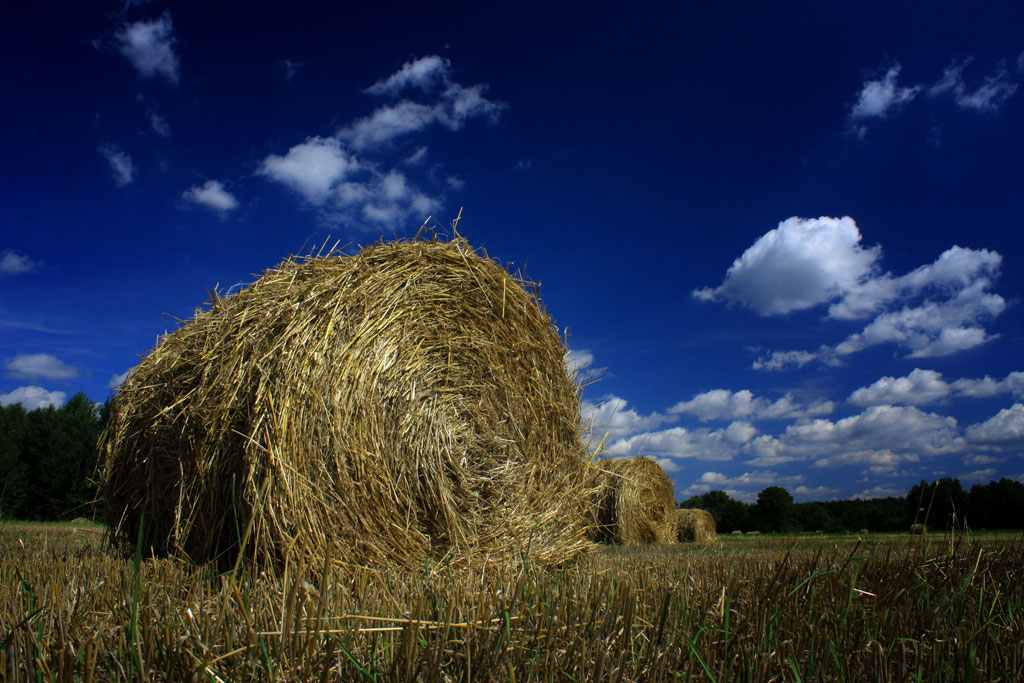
48 460
941 505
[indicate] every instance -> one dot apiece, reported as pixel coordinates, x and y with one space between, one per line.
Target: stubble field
842 608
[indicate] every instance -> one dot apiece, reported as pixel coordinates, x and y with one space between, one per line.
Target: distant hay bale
918 529
406 404
636 502
694 525
736 532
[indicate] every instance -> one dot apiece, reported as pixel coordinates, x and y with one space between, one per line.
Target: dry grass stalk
694 525
405 404
636 502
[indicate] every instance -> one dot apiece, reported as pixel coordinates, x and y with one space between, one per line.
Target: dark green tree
14 472
773 511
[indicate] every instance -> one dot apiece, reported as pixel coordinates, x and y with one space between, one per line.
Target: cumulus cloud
311 168
917 388
679 442
121 167
33 397
880 436
745 486
882 491
935 310
723 404
149 46
212 195
13 263
612 419
986 387
878 97
1005 428
802 263
989 96
39 366
365 192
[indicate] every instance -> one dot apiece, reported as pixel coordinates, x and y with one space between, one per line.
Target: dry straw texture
403 405
637 503
693 525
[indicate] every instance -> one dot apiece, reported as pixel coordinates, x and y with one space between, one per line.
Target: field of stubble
840 608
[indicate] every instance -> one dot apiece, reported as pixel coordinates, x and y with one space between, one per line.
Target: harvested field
770 607
408 404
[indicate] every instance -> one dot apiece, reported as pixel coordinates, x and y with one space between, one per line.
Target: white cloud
121 167
723 404
1005 428
149 46
212 195
611 419
746 486
805 493
876 463
917 388
800 264
455 182
981 459
39 365
311 168
679 442
785 360
424 73
987 97
448 103
577 360
986 387
986 475
117 380
13 263
880 436
935 310
33 397
290 69
878 98
881 491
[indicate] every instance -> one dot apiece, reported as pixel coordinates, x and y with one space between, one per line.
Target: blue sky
784 241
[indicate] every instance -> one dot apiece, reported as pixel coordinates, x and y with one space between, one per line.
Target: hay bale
695 525
918 529
636 502
405 404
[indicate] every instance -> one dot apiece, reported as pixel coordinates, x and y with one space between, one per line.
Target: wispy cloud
13 263
122 169
988 96
211 195
366 191
878 97
39 366
149 46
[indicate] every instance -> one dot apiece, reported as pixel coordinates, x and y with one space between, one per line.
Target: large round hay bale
636 502
695 526
403 405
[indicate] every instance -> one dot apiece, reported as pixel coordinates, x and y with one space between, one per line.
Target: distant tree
996 505
14 472
774 510
730 515
936 504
